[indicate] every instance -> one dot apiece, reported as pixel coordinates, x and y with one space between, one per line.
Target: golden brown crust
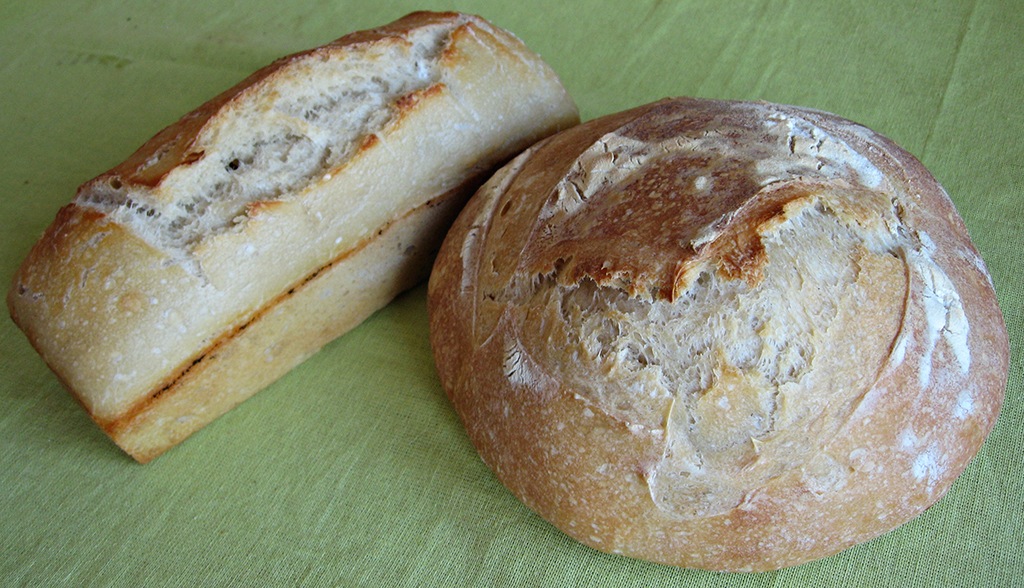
732 336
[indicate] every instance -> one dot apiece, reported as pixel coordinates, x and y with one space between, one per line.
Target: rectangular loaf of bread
274 218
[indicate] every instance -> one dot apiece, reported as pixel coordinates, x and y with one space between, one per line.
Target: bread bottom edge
320 308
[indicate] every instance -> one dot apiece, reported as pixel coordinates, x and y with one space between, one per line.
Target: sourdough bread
723 335
273 218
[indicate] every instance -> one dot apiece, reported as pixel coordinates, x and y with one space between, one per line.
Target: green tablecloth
353 469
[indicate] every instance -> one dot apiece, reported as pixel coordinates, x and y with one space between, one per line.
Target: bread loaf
722 335
273 218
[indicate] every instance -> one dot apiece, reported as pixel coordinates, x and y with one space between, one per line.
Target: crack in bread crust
658 380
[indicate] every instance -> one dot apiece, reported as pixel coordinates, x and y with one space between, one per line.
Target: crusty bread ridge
722 335
273 218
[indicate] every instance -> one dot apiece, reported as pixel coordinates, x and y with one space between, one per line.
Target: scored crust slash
275 217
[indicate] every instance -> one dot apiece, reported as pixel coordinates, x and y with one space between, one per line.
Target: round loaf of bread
723 335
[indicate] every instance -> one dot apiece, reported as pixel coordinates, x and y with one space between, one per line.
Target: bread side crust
313 312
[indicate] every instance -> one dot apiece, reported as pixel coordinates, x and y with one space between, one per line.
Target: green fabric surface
354 469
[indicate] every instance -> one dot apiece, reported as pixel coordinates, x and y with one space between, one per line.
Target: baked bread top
725 335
